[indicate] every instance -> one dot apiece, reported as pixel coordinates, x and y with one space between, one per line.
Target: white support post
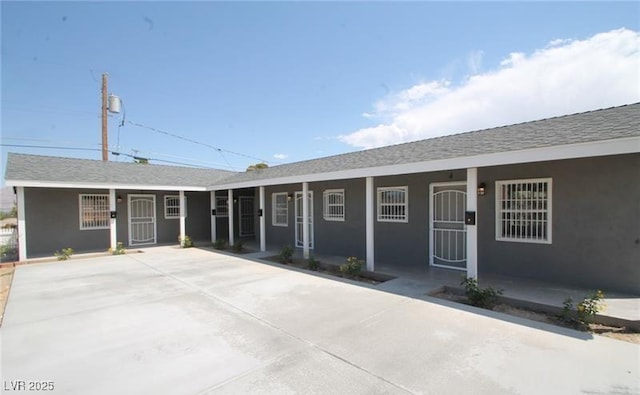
230 205
263 222
22 227
213 217
305 220
183 218
369 215
472 230
113 236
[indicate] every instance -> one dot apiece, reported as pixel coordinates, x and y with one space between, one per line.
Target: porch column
183 217
263 222
369 215
213 216
22 227
230 205
305 220
112 224
472 230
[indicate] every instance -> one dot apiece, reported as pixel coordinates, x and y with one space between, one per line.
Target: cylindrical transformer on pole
114 104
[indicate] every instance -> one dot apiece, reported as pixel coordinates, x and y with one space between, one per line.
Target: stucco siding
198 223
407 244
280 236
53 222
341 238
595 224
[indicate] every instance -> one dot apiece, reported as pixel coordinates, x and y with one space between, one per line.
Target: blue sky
289 81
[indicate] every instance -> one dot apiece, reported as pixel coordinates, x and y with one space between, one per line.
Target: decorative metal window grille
280 213
94 212
523 210
333 204
393 204
172 207
222 208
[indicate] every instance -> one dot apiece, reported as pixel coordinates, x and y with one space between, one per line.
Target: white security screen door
247 219
448 239
298 210
142 219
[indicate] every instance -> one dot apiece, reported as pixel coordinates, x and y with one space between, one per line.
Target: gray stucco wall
198 221
330 237
336 237
595 225
279 236
407 244
198 224
53 222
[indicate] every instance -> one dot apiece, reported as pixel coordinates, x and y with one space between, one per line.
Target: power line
116 148
218 149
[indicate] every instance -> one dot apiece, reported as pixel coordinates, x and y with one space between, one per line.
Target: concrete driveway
171 321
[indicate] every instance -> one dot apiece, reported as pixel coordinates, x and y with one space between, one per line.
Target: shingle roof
598 125
22 167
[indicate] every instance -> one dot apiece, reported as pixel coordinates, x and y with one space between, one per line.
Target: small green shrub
185 242
480 297
64 254
220 244
585 310
237 246
590 306
352 267
119 250
285 254
313 264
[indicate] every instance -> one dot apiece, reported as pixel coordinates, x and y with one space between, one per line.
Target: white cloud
567 76
281 156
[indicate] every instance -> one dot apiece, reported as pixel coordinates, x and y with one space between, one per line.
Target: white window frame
528 206
101 212
222 208
279 208
328 204
167 214
381 217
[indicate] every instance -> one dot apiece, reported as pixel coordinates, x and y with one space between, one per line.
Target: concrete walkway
171 321
416 282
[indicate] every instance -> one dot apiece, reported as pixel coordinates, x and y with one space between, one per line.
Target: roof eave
570 151
57 184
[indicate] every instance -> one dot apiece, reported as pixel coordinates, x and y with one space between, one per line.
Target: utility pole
105 135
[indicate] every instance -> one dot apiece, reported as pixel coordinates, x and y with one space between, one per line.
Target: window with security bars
94 212
393 204
222 208
523 210
172 207
333 209
280 212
